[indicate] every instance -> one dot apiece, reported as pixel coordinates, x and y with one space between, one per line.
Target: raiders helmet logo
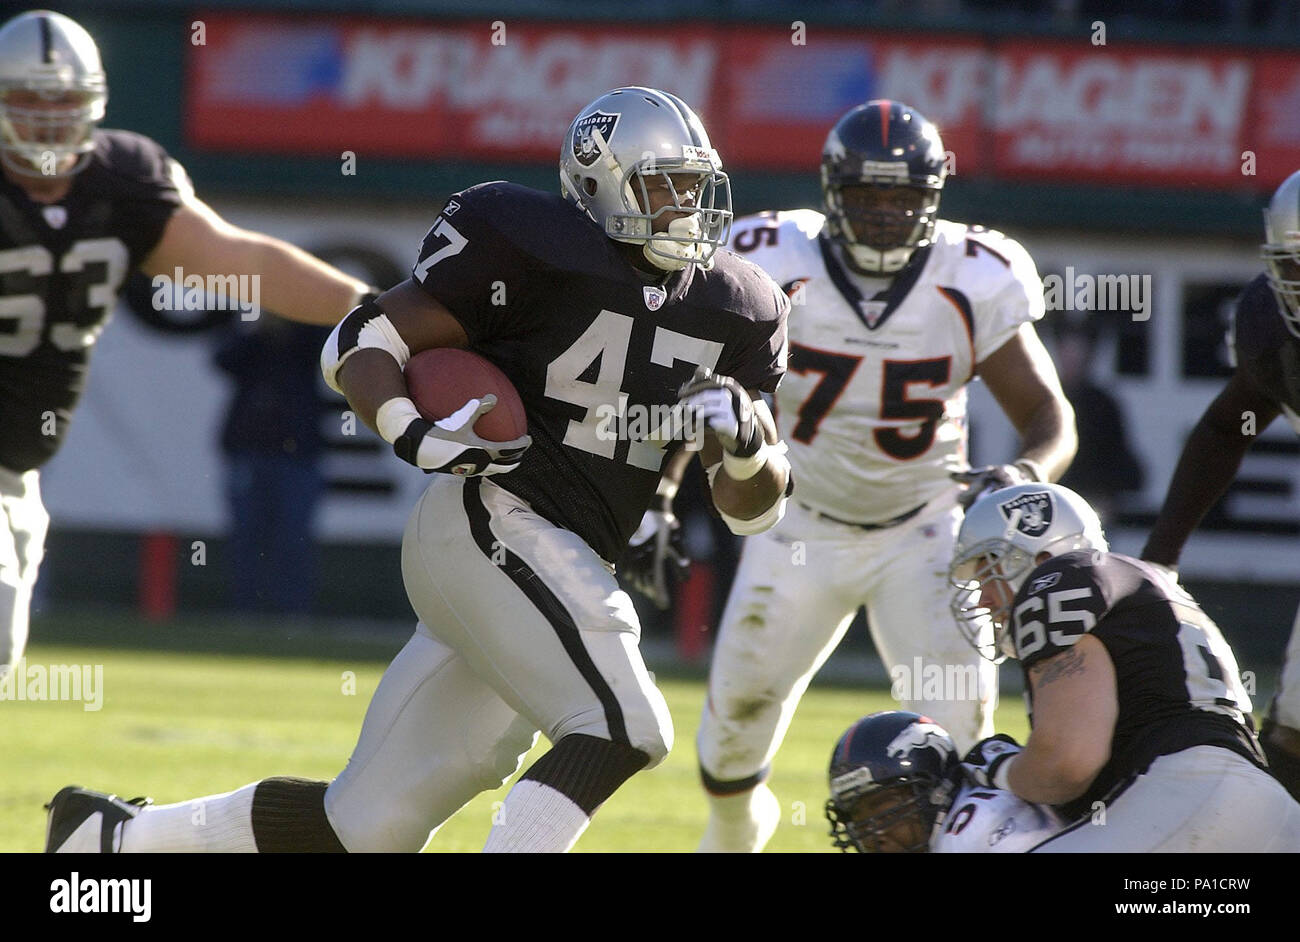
654 297
585 146
1035 512
923 734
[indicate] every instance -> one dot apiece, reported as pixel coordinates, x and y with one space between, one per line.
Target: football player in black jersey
1266 341
623 327
1139 721
80 208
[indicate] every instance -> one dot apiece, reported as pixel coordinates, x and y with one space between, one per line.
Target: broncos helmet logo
921 735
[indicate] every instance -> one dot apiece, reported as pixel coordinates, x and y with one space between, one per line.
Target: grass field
193 709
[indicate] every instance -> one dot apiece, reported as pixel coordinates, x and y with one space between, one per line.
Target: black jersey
596 349
61 267
1267 353
1176 677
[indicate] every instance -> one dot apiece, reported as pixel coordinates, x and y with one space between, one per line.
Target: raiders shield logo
585 146
1035 512
56 217
654 297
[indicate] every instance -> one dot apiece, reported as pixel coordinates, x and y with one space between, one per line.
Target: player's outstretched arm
1076 704
1022 378
291 282
1209 462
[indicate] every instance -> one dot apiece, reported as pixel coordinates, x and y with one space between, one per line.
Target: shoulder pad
783 243
738 285
544 226
133 157
1257 327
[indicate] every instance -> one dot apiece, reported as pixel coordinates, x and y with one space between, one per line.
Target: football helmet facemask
882 172
1281 249
636 155
998 546
52 94
890 775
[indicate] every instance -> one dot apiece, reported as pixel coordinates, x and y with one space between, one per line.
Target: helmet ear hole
589 186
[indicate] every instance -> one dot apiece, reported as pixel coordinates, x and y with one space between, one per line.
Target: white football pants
23 525
1202 799
522 628
796 591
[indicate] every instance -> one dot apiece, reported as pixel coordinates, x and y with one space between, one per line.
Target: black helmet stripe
684 113
47 40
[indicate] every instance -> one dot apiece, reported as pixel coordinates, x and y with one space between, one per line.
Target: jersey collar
893 296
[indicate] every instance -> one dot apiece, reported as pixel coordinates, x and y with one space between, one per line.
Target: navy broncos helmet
891 774
883 168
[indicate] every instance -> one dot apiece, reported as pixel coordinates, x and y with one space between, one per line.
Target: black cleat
73 806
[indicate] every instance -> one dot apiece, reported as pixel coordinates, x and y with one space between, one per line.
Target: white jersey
993 821
873 406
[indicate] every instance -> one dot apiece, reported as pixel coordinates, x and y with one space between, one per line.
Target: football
440 381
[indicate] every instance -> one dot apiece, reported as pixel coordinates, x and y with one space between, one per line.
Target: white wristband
394 417
742 469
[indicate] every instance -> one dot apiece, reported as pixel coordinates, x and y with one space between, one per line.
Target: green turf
180 724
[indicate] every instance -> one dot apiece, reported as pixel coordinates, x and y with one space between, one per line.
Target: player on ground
897 786
1266 343
1138 716
80 208
602 307
894 312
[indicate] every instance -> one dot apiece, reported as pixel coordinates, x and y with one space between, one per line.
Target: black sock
289 817
587 769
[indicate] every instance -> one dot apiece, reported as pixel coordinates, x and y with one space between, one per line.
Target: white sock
742 823
218 824
535 819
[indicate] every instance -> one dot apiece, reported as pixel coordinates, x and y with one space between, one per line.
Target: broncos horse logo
923 734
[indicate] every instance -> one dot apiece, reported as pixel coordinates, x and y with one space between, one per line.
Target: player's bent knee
643 723
656 747
651 731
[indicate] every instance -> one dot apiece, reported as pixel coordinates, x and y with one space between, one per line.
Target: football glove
993 477
986 756
450 446
723 406
656 555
